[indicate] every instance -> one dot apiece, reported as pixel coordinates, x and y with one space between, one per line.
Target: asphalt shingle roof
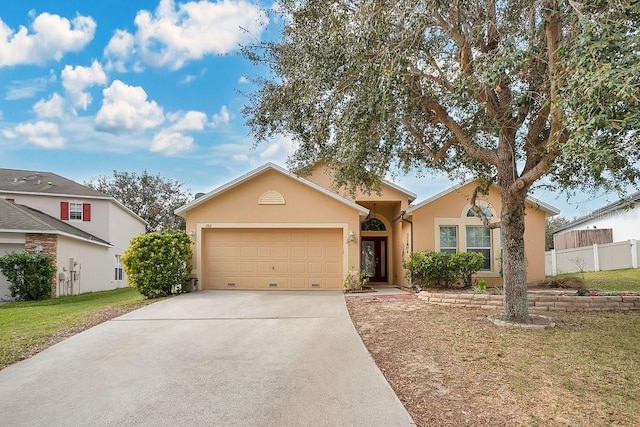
15 180
16 217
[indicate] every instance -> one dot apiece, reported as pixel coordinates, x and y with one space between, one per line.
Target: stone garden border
537 303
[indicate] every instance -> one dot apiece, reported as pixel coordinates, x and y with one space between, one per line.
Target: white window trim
442 248
461 223
473 248
118 270
72 203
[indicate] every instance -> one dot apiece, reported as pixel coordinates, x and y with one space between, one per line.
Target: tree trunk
513 192
514 268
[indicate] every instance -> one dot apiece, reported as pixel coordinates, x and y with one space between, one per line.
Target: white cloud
76 80
125 109
221 118
28 88
191 120
51 108
51 37
120 47
240 158
41 133
188 79
170 36
243 79
171 143
278 150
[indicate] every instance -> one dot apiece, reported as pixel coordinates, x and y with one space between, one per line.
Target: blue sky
87 87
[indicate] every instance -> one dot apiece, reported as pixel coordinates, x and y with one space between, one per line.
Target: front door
373 258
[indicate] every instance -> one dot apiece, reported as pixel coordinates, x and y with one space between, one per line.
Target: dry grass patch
451 367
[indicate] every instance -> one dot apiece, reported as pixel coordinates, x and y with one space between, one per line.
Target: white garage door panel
260 259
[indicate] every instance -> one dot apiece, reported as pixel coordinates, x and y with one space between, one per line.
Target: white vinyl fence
609 256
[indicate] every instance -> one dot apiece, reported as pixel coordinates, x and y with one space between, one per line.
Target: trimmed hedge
440 269
158 263
30 275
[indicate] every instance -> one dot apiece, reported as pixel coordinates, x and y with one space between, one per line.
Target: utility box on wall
579 238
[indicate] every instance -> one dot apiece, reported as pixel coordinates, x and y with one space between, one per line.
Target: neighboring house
622 217
83 230
270 229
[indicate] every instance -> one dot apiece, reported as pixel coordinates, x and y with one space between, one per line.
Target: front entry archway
374 257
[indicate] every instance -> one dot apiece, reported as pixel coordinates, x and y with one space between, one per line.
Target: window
373 224
75 211
479 240
449 239
485 210
118 275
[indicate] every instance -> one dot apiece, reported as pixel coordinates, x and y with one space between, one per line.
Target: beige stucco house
270 229
83 230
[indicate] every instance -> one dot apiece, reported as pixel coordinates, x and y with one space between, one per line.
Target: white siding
99 224
625 224
95 268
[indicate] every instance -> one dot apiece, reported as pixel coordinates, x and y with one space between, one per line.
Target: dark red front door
373 258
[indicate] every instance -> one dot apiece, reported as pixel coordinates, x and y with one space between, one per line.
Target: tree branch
473 149
482 188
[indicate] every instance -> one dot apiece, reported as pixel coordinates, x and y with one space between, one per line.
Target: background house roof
611 207
23 181
16 218
268 166
50 184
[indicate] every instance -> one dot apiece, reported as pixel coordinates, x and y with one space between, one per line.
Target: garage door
272 259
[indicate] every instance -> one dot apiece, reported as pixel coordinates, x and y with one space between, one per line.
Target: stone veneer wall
537 303
49 245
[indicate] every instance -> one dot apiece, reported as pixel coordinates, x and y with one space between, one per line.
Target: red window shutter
64 211
86 211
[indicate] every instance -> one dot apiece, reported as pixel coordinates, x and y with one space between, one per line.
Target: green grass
612 280
31 326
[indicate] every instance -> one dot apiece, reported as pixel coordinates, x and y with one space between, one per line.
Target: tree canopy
507 92
151 197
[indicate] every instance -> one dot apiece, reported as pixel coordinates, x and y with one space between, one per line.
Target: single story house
271 229
84 231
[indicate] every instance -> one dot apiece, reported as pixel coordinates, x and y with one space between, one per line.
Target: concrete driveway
211 358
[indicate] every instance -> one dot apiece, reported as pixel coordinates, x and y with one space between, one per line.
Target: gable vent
271 197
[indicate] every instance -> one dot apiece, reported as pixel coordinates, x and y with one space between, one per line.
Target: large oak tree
507 92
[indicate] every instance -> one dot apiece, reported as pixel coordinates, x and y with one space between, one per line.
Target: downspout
400 216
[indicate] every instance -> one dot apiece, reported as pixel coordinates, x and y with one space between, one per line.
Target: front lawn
451 367
612 280
31 326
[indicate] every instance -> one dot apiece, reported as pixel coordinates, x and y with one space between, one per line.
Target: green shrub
466 264
158 264
440 269
30 275
355 280
430 268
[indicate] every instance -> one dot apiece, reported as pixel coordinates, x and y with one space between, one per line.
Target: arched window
373 224
485 210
